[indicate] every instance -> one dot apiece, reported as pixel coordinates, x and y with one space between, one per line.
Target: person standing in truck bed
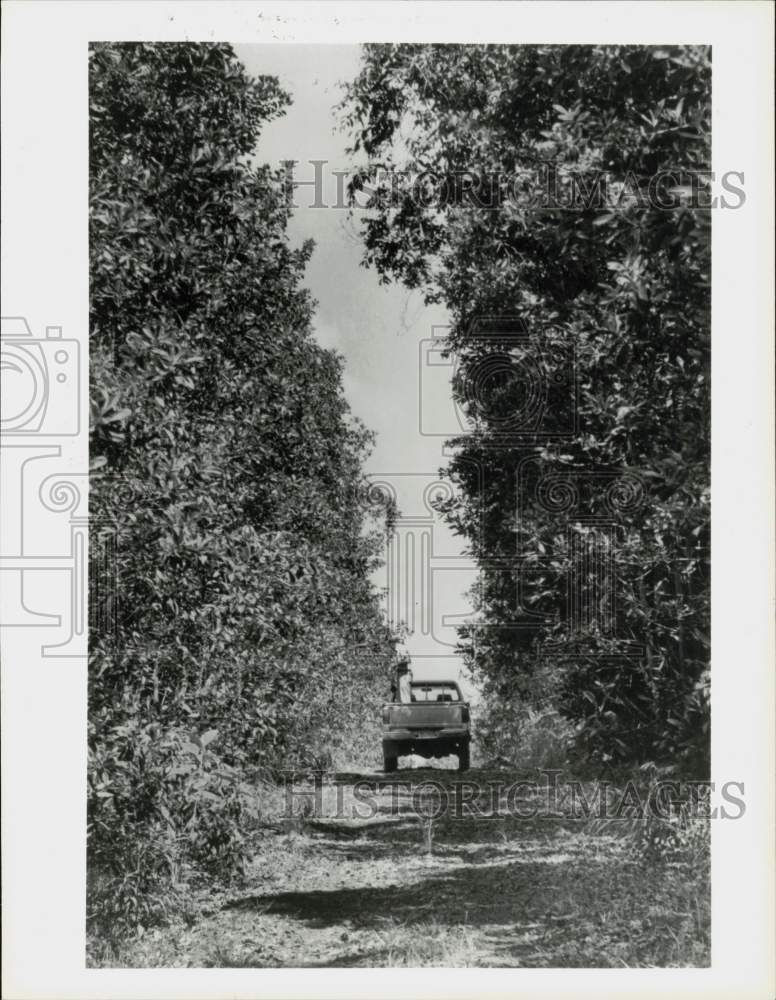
405 680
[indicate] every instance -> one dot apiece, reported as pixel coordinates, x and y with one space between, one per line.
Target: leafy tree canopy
227 475
479 135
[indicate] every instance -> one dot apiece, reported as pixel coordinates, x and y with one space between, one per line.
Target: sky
380 332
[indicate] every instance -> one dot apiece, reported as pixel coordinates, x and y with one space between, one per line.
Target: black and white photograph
372 504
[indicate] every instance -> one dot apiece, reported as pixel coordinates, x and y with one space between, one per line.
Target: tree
226 475
500 152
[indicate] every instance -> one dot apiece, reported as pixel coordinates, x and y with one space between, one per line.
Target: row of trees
232 536
506 146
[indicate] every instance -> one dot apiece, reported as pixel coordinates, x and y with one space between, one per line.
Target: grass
429 944
505 892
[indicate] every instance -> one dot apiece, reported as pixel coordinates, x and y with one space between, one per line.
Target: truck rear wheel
389 764
463 758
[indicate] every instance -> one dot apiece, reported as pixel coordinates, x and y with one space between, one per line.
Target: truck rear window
434 692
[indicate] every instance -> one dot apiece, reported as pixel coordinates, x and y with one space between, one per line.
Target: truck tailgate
425 715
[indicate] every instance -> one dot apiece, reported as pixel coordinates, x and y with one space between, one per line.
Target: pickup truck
434 723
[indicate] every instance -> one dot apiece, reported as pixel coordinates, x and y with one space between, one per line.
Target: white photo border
45 282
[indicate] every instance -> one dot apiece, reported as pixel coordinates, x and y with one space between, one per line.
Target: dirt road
361 877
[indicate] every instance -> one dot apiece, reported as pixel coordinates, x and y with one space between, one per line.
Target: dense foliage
463 144
232 541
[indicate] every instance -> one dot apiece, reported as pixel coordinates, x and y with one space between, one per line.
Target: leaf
122 414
